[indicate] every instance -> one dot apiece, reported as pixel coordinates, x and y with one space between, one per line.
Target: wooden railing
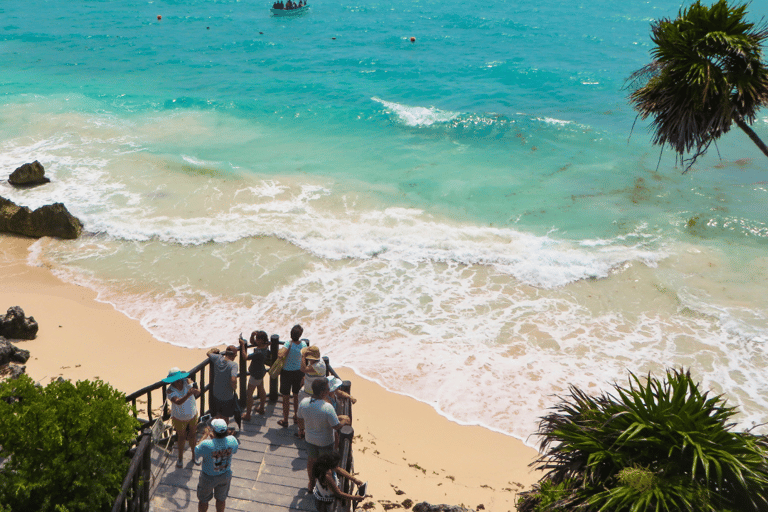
346 434
134 496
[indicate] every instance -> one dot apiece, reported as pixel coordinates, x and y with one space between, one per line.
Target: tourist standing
320 424
256 372
313 367
291 374
182 394
216 448
223 398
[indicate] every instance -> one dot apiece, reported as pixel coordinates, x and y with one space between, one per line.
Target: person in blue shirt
291 374
216 447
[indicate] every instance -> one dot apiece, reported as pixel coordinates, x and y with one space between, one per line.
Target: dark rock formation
11 353
28 175
426 507
15 371
16 326
48 220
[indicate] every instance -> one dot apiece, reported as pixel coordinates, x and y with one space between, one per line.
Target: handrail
346 434
137 480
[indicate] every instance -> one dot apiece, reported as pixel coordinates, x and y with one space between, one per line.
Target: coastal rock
49 220
16 326
28 175
426 507
16 371
11 353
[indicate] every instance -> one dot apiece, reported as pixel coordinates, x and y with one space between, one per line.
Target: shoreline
414 453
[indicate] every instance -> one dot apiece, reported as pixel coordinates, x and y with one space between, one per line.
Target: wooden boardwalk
269 472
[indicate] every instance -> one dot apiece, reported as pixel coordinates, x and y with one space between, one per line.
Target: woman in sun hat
182 395
313 368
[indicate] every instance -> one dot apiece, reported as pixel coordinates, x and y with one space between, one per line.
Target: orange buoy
413 39
159 17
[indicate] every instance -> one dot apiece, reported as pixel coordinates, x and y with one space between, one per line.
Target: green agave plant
652 446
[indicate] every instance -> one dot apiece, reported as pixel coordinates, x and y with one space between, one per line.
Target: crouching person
326 472
216 448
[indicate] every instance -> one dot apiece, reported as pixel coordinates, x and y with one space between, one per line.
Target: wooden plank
176 498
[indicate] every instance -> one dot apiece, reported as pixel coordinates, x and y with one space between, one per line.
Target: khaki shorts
182 425
213 486
314 451
252 383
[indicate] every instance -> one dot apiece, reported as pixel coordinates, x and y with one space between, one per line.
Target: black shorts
290 382
226 408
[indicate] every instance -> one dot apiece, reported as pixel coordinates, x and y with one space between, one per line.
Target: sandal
179 463
282 423
260 411
299 434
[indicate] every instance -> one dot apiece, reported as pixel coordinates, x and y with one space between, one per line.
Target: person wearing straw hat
182 395
216 447
313 368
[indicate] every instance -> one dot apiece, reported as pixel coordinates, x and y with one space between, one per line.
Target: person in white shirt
182 395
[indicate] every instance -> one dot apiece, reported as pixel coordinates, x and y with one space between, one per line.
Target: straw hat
311 353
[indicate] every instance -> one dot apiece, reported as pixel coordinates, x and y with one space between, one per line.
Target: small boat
290 12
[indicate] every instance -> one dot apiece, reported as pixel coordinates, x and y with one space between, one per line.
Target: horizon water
470 219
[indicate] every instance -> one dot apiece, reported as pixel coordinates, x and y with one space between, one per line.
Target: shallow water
465 219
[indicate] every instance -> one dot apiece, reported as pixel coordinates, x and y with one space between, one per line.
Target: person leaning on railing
223 398
325 472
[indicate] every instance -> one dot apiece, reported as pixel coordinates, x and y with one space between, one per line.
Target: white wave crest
418 116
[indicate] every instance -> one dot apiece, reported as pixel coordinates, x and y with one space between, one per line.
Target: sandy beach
403 448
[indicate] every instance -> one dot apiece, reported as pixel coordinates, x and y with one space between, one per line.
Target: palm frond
707 72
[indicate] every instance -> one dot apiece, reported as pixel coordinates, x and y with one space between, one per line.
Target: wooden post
329 369
274 348
243 377
166 411
202 392
149 406
211 376
146 473
346 386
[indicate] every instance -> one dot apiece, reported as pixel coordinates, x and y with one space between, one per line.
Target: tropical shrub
653 446
65 445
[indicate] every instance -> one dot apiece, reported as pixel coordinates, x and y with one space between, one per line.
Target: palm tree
657 445
706 73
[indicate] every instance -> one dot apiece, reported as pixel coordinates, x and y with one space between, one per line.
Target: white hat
334 383
219 425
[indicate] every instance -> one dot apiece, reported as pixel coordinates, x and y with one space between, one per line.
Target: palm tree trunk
752 135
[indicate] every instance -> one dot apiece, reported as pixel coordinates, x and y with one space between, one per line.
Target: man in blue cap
216 448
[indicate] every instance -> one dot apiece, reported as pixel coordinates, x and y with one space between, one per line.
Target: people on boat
277 5
289 4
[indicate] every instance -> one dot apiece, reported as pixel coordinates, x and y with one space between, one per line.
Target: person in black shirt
256 371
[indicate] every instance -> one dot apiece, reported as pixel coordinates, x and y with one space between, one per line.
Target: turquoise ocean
469 219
